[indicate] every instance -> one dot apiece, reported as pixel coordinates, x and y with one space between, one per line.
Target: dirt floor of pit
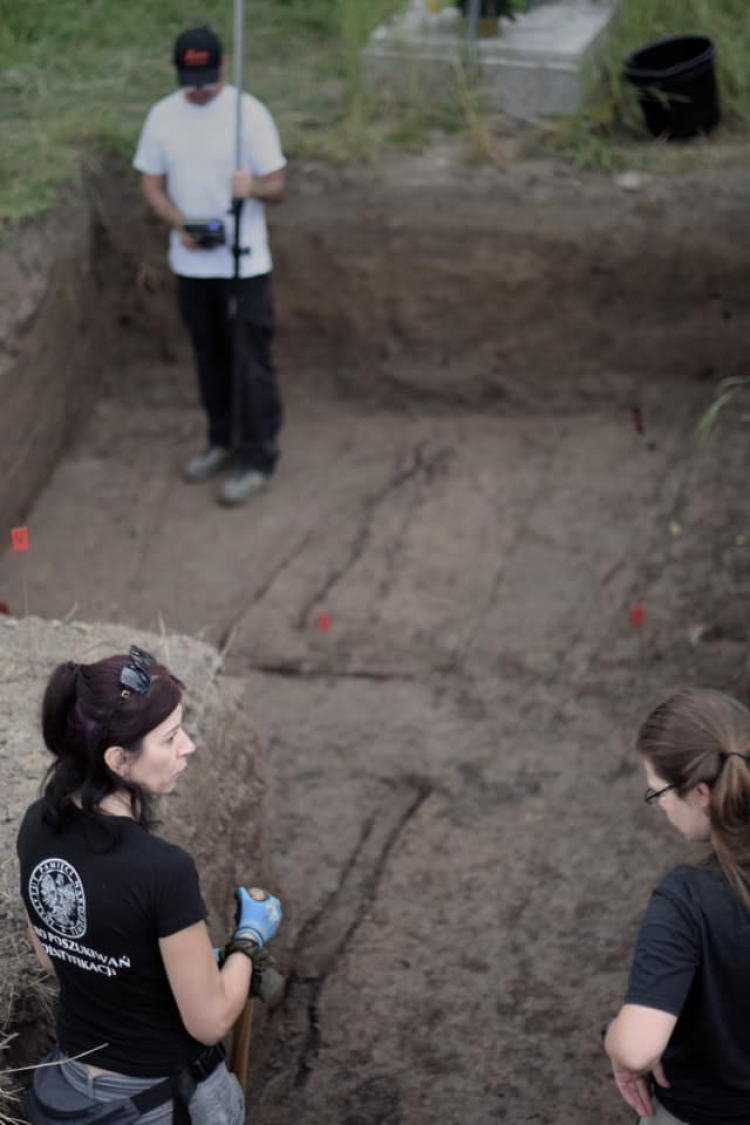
453 811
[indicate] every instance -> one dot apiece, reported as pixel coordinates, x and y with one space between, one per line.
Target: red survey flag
637 616
19 538
325 622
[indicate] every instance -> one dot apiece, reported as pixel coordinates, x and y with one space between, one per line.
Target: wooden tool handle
240 1053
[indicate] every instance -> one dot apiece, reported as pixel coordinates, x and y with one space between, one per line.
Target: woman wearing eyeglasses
116 911
680 1046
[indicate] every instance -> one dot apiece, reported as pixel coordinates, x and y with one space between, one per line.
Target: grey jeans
661 1117
217 1101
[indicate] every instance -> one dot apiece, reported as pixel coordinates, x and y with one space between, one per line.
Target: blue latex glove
258 914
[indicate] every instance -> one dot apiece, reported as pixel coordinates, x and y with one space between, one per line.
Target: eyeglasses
652 795
135 676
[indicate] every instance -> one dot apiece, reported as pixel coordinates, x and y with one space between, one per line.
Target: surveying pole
237 250
473 21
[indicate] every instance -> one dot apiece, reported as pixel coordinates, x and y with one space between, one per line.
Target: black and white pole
473 29
239 76
237 250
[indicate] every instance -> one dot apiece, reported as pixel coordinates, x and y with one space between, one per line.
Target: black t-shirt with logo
692 959
99 901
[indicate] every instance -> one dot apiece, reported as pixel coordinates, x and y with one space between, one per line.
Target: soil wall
428 282
51 345
525 289
424 282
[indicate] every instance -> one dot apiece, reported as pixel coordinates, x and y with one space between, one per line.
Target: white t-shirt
194 147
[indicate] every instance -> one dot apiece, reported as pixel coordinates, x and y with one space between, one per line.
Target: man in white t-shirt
186 156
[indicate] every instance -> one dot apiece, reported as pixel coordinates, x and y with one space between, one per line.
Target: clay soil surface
453 811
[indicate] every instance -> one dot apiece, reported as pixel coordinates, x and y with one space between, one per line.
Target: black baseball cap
197 56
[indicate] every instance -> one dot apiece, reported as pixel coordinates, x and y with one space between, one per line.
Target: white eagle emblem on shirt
57 896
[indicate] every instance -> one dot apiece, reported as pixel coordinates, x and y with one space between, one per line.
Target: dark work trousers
205 308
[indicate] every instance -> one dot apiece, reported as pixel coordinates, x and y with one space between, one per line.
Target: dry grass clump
9 1093
24 988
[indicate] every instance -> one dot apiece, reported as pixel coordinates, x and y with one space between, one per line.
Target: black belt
207 1062
182 1085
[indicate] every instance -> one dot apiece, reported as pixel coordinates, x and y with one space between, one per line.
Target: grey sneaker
207 464
241 487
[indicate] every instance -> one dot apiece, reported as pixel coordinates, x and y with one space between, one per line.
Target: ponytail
729 815
59 698
698 736
64 777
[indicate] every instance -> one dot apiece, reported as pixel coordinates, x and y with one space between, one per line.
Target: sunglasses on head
135 676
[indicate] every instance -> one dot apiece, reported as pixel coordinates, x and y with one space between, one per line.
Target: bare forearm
636 1039
621 1050
267 194
163 207
212 1018
236 975
269 189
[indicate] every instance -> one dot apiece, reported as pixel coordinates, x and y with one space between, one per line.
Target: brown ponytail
697 736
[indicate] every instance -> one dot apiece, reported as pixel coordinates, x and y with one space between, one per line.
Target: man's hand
267 189
242 184
635 1087
187 240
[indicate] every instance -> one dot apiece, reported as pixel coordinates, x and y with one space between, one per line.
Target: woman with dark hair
116 912
684 1024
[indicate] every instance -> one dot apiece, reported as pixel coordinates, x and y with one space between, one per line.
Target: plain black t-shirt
99 902
692 959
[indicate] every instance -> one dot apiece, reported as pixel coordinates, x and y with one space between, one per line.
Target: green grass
609 132
77 77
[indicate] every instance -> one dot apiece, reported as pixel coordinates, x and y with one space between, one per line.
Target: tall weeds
357 20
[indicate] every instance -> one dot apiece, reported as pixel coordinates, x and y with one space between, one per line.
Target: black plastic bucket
676 81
